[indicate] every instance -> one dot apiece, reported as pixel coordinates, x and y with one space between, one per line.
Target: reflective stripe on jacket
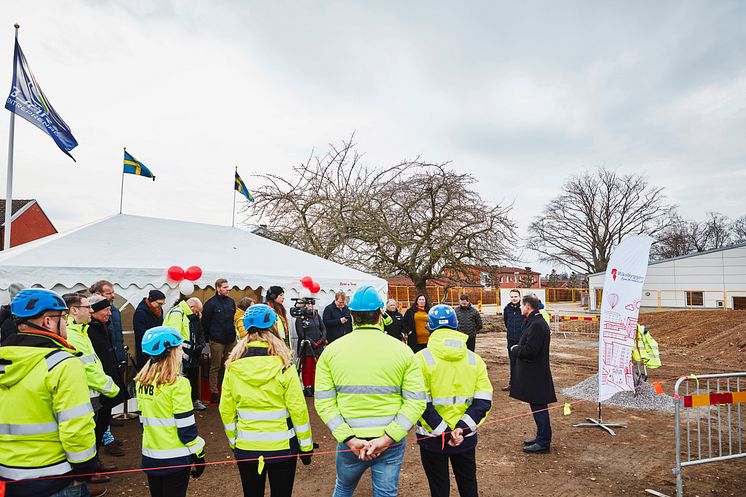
262 407
98 381
368 384
646 349
46 418
459 392
169 435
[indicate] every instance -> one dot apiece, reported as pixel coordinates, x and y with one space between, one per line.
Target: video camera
299 309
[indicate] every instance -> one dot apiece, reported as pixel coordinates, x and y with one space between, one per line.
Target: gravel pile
646 397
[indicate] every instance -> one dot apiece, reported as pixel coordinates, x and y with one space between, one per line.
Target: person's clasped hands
367 450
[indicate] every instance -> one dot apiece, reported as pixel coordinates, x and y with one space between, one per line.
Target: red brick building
28 222
488 277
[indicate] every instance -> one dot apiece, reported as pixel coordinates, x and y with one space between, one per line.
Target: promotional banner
620 307
28 101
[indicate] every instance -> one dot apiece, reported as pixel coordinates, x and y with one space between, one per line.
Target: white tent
135 252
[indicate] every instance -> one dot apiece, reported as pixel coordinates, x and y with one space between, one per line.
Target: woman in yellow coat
263 408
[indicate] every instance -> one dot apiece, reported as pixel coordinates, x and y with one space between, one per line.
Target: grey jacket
469 320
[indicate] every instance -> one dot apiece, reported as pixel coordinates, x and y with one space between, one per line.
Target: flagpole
233 223
9 185
121 191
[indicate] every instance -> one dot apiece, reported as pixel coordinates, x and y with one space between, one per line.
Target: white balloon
186 287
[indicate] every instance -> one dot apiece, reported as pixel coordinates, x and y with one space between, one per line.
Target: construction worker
169 435
263 409
46 415
459 397
184 317
369 392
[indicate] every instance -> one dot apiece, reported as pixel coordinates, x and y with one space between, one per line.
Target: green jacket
98 381
262 406
47 420
368 384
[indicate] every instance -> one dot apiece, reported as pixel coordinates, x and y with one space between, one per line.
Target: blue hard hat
159 340
366 299
31 302
442 316
259 316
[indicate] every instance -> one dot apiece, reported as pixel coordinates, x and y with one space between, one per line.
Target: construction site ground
582 462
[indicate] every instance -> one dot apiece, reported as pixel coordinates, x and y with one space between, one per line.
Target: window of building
695 298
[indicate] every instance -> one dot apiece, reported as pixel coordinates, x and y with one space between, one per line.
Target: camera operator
311 340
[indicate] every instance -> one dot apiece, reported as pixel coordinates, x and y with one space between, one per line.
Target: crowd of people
373 372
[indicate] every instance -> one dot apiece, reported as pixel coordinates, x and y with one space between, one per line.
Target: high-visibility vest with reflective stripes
646 349
46 418
169 435
456 383
262 406
98 381
178 318
367 384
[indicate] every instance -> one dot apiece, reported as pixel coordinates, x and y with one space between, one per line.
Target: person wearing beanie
149 314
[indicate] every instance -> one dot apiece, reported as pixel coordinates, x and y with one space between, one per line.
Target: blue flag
240 187
134 166
28 101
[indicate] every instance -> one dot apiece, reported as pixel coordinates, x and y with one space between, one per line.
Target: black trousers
543 426
471 342
103 417
438 477
171 485
281 478
192 375
512 358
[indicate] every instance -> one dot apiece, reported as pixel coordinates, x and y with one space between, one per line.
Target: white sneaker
198 405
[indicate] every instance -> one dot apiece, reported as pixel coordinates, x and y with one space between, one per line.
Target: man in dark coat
469 321
149 314
337 320
532 380
217 322
513 320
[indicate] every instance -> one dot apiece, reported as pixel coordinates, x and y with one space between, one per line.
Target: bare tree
595 211
717 230
417 219
681 237
526 278
738 228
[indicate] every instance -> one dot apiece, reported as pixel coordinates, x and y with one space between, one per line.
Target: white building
713 279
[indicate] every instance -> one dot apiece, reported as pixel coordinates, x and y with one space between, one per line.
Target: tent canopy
134 253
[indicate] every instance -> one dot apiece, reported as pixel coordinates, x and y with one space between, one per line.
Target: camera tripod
305 349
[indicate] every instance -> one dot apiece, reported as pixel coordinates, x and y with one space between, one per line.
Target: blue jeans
384 471
76 491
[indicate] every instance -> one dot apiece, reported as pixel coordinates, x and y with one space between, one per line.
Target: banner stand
600 424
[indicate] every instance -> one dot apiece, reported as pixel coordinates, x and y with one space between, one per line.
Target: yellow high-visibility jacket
368 384
98 381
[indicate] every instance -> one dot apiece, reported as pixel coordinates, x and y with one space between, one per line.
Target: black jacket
98 333
142 321
532 378
217 319
469 320
197 337
332 321
513 320
314 333
408 326
396 328
7 324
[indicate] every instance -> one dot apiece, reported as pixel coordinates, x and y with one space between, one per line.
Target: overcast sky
520 94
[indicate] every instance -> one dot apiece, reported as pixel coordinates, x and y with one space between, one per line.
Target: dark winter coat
532 378
513 321
469 320
396 328
7 324
217 319
332 321
143 320
197 337
98 333
314 333
408 326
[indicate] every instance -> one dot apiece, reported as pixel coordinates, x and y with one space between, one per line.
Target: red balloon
193 273
306 281
175 273
315 287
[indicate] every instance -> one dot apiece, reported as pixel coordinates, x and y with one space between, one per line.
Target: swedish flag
134 166
240 187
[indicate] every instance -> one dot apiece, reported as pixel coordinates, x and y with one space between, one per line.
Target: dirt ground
583 462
